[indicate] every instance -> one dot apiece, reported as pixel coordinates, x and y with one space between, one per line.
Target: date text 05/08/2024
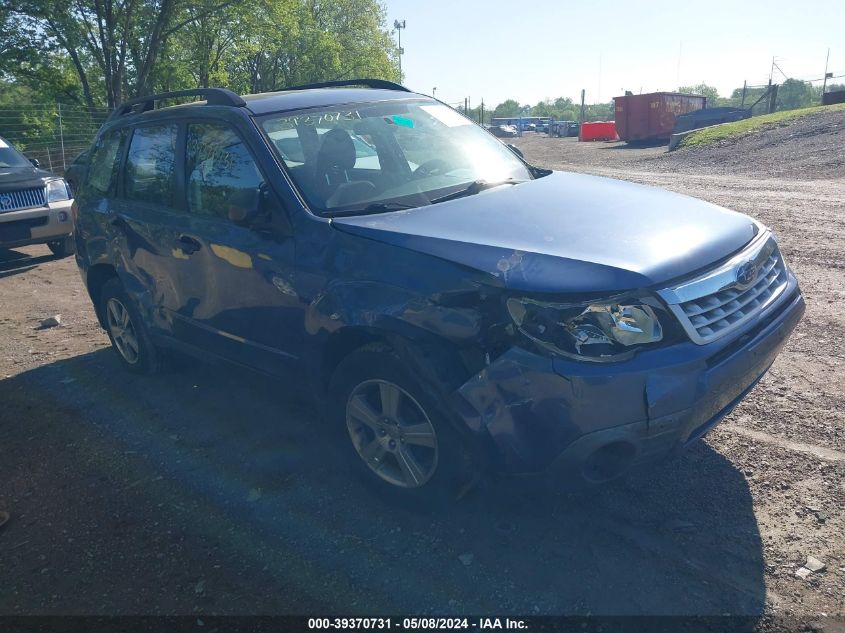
430 623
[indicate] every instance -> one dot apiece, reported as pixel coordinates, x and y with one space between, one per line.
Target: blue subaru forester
446 302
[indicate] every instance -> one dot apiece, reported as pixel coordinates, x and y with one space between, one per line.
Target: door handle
188 244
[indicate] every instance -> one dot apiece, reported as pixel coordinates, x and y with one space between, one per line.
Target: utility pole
481 115
62 136
434 92
773 88
744 90
773 98
582 105
466 106
399 25
827 75
769 89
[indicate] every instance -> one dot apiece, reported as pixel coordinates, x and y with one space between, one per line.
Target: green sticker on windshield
399 120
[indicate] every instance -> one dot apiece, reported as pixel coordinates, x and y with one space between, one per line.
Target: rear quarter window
150 165
105 160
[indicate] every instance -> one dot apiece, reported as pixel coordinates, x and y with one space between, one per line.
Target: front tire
63 247
397 437
129 335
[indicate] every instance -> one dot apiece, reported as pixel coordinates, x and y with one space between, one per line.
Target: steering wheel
432 167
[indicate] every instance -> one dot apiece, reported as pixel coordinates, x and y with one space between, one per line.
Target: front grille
714 313
716 303
22 199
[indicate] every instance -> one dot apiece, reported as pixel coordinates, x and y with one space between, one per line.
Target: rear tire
63 247
397 438
129 335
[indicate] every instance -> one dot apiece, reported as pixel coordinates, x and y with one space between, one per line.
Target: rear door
149 225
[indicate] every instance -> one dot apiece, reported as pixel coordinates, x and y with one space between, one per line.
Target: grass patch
739 129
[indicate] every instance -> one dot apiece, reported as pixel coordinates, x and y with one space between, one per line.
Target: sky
497 49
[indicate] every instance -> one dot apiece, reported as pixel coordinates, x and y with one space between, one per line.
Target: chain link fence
52 133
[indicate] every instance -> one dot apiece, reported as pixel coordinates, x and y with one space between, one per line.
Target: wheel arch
440 366
421 349
96 278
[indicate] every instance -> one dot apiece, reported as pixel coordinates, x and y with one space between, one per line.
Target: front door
243 306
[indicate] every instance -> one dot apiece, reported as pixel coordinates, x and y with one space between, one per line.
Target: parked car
34 204
75 172
472 311
503 131
564 128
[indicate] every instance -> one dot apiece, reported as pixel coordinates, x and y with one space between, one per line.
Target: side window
150 164
105 160
223 179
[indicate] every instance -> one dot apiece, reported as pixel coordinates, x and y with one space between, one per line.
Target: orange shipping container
598 131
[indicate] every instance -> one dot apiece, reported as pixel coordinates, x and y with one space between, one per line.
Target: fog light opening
608 462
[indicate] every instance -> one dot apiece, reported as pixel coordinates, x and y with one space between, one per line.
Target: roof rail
213 96
368 83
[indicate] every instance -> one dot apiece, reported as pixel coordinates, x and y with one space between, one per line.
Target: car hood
12 178
567 233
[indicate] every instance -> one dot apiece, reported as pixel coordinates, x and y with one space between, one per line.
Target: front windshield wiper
473 188
375 207
477 186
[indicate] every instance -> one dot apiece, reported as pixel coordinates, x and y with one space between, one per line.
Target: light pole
434 92
399 25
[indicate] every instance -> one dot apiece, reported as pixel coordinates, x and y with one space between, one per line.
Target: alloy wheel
392 433
122 331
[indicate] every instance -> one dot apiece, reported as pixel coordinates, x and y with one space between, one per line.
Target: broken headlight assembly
600 331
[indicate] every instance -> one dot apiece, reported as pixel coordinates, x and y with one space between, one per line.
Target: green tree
121 49
794 93
289 42
600 112
508 108
560 109
116 45
705 90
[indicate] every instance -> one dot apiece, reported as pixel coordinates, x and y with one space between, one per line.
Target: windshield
381 156
10 157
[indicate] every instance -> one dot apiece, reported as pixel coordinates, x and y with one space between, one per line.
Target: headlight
600 331
57 191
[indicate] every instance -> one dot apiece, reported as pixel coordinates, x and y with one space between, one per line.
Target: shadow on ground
207 490
13 262
634 145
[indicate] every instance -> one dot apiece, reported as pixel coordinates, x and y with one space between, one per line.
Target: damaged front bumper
551 413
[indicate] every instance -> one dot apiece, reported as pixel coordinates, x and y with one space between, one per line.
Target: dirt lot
811 147
207 491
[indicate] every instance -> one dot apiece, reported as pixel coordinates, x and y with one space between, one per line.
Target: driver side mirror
245 205
35 162
515 150
258 209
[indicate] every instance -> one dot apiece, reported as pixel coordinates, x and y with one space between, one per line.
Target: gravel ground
206 490
811 147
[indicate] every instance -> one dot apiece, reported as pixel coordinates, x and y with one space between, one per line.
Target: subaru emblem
746 274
